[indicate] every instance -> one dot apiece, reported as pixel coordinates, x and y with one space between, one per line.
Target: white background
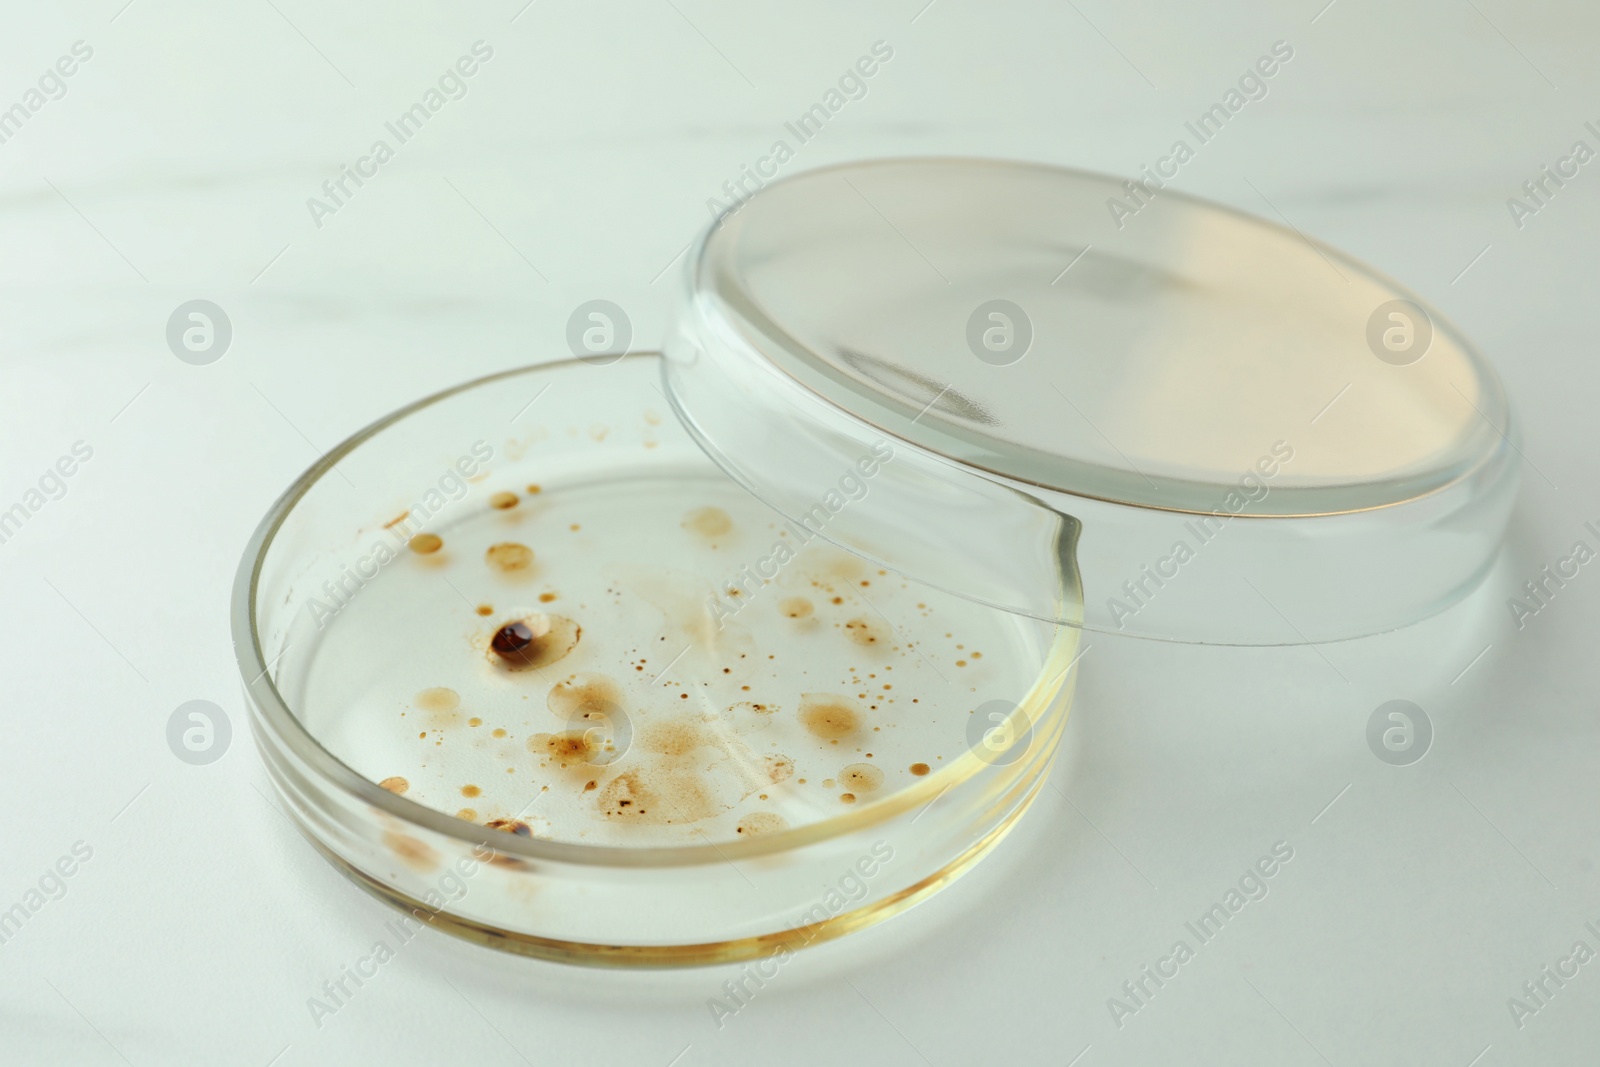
178 166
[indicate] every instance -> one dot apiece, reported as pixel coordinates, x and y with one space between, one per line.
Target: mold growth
683 693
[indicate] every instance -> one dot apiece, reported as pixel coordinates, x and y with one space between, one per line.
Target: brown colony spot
919 769
866 632
510 826
627 797
657 795
395 784
673 738
829 715
509 557
708 522
779 768
426 543
545 598
795 607
470 791
485 609
585 696
848 798
438 698
568 747
535 641
761 822
503 501
861 777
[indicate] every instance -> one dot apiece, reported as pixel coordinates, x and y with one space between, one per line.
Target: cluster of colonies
644 765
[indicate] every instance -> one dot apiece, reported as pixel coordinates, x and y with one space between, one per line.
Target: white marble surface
177 165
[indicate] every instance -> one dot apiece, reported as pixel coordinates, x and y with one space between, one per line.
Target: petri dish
1225 432
552 681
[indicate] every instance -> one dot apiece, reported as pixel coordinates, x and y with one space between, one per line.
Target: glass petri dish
1220 430
524 662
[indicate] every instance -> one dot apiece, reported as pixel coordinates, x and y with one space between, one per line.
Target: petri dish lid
1093 402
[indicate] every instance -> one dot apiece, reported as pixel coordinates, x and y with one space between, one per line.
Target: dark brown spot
919 769
535 641
503 501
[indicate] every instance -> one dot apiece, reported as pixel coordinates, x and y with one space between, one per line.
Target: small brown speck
395 784
503 501
485 609
426 543
919 769
470 791
545 598
534 489
848 798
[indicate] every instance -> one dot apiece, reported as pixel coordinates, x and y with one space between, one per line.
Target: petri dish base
547 678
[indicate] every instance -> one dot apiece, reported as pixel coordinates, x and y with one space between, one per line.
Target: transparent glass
524 662
1221 430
